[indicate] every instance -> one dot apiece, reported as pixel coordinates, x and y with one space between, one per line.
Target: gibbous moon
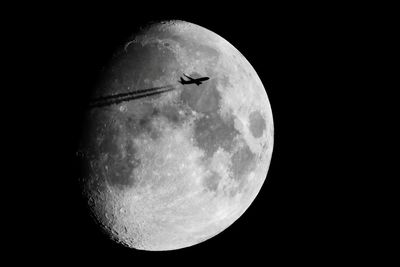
171 170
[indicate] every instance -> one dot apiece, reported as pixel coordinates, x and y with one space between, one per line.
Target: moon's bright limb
196 156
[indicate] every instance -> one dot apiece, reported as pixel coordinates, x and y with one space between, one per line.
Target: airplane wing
190 78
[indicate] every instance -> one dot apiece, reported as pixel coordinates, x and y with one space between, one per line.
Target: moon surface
172 170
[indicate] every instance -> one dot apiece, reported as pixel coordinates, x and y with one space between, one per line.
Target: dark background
292 217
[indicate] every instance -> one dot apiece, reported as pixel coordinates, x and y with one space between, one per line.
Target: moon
172 170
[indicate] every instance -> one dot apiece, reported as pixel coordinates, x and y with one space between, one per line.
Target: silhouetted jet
197 81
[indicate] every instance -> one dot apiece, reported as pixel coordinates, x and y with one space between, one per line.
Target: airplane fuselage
197 81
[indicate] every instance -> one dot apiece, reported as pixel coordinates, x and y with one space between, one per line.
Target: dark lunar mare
212 131
243 161
257 124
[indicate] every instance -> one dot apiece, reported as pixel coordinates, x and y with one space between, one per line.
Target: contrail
115 99
128 94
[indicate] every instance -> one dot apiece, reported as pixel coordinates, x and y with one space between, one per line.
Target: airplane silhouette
191 80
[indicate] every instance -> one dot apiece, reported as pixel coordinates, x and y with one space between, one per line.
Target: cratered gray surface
172 170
